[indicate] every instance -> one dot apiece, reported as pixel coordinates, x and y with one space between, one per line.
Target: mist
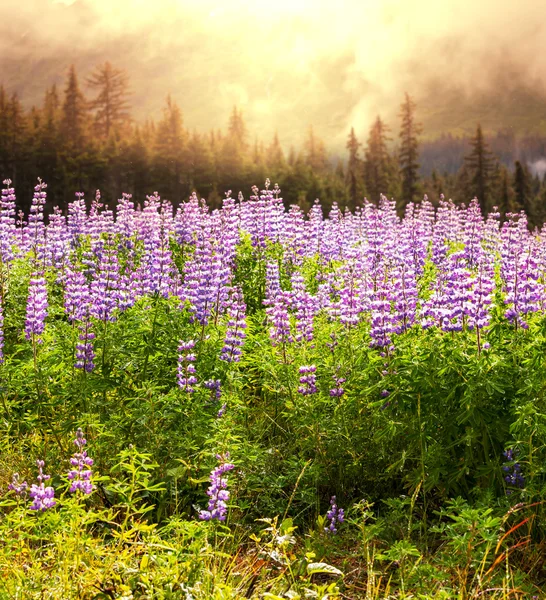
288 65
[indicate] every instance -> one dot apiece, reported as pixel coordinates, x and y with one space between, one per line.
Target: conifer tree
201 165
51 108
353 177
111 102
274 156
74 112
378 167
46 154
233 157
409 151
480 165
16 145
503 191
315 153
237 129
171 152
4 124
522 187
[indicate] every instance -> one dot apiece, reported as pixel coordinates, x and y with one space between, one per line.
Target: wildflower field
254 402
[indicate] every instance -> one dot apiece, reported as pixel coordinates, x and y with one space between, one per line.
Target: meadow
254 402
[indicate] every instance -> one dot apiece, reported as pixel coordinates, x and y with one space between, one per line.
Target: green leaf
321 567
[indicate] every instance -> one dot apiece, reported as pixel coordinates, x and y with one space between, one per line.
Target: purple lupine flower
218 493
272 283
305 308
512 470
207 277
335 515
519 270
236 326
77 216
308 380
105 283
80 474
279 319
42 496
186 368
382 323
36 220
57 248
36 308
479 299
85 352
222 411
352 294
16 486
1 334
76 295
7 222
214 385
338 390
157 265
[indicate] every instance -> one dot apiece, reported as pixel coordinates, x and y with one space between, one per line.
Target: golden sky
285 63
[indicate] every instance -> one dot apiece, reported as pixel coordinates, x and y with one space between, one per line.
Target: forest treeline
78 143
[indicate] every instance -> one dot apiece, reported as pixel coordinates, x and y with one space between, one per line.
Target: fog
286 64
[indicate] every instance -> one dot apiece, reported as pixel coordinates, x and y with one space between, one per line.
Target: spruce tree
522 187
353 178
233 155
480 164
111 102
171 153
18 144
315 153
378 167
504 192
274 157
408 156
74 112
237 130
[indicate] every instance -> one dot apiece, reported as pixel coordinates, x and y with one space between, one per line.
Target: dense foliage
256 402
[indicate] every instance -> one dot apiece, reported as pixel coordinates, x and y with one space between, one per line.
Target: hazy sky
285 63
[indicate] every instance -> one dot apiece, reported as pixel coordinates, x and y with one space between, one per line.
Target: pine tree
353 177
480 164
17 147
201 163
522 187
139 160
409 151
237 129
503 192
111 103
315 153
171 153
74 112
234 162
51 108
539 216
274 158
378 167
292 156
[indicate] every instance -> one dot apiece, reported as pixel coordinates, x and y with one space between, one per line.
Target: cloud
286 63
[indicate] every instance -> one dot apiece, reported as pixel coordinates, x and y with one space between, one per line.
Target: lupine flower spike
16 486
80 474
335 516
218 493
308 380
42 495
